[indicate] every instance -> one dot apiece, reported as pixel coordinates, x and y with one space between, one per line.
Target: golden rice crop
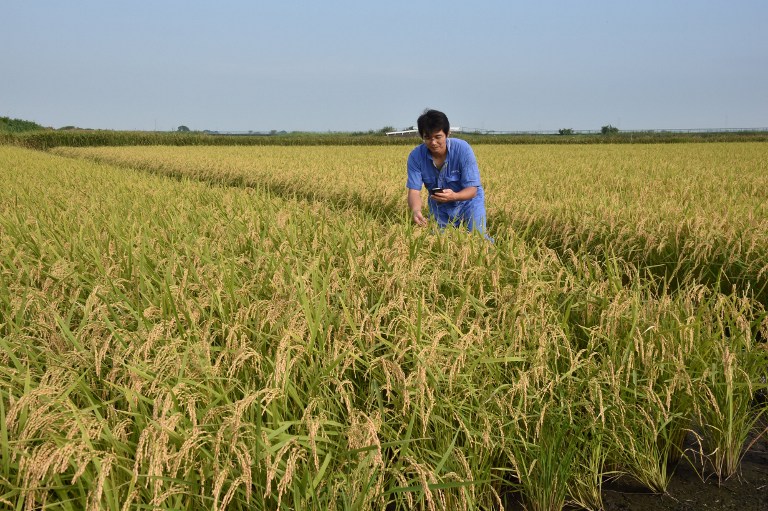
677 211
266 330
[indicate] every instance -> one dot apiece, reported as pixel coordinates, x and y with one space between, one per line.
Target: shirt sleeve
470 173
415 181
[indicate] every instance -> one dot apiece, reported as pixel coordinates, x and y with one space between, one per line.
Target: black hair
431 121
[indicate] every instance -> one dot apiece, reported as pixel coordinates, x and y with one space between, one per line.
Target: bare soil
689 491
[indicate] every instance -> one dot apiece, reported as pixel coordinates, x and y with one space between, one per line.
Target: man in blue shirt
448 168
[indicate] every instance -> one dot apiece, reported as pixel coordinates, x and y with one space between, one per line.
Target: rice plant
233 328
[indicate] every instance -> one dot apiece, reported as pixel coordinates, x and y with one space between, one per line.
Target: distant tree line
605 130
18 125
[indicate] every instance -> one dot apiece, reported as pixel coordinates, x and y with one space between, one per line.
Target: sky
342 65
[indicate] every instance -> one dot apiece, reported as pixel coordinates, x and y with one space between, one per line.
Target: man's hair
431 121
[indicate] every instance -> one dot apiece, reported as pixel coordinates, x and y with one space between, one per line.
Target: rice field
262 327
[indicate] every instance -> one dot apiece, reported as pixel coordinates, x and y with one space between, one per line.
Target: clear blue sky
354 65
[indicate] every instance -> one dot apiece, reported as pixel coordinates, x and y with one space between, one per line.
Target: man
448 168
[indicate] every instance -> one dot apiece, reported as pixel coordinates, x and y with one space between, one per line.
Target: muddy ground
747 491
691 491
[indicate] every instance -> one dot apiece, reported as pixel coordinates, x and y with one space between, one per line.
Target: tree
566 131
182 128
18 125
609 130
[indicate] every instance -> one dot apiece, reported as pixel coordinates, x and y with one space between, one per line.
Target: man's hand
414 204
447 195
418 217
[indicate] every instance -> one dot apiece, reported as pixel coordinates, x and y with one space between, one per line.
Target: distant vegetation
18 125
45 139
32 135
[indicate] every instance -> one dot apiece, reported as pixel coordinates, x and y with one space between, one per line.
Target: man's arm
414 204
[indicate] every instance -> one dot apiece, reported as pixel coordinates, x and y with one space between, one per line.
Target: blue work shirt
459 171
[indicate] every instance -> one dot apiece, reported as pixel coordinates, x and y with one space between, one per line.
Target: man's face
435 142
